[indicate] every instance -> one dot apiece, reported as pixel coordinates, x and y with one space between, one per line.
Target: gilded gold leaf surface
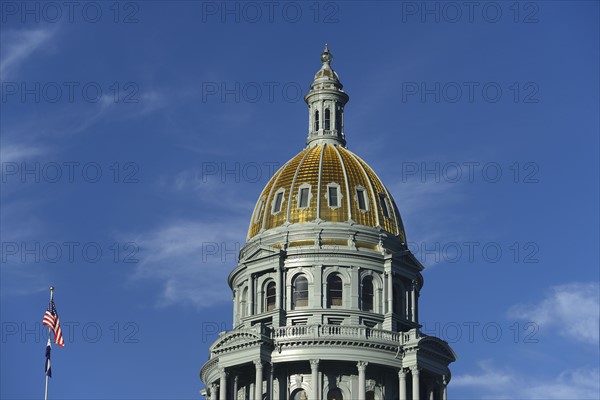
389 224
356 178
285 182
308 174
332 172
333 165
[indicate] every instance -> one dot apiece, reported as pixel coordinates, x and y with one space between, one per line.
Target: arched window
300 292
397 300
338 119
334 290
270 295
327 119
367 294
335 394
299 394
316 120
244 302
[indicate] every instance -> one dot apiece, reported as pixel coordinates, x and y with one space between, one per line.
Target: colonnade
415 372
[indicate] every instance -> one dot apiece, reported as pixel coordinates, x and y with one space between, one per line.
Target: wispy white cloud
493 382
226 193
488 375
18 45
191 260
572 310
417 197
428 211
15 152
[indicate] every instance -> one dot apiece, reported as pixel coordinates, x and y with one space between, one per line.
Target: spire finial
326 101
326 56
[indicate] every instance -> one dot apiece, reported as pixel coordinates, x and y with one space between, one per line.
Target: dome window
278 201
271 294
304 196
334 290
327 119
361 199
385 205
367 294
333 195
316 120
259 210
338 119
300 292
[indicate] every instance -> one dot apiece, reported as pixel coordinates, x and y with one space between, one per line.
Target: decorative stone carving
370 385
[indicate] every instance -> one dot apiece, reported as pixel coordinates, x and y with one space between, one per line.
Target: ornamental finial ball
51 288
326 56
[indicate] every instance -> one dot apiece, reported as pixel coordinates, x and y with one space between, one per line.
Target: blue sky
136 139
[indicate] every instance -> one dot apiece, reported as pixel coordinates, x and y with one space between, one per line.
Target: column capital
402 373
444 380
258 363
223 372
362 365
314 363
415 370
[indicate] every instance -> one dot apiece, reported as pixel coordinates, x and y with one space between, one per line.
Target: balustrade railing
337 331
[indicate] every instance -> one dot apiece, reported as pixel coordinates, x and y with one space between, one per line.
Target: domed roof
326 182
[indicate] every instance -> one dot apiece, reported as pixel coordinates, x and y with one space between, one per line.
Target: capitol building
326 291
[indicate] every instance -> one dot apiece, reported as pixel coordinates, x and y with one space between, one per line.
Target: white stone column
430 391
271 382
415 383
279 288
314 373
390 293
223 385
235 308
252 295
402 384
354 289
362 384
235 388
258 384
444 388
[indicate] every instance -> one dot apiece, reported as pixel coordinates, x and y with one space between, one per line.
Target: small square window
333 195
384 205
259 210
361 199
277 202
303 197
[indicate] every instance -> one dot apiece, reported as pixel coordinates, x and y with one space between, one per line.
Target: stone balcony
322 331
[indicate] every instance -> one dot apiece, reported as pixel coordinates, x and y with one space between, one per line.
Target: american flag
51 321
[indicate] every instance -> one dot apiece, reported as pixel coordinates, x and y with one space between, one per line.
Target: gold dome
327 183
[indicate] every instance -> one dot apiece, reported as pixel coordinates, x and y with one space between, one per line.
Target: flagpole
49 344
